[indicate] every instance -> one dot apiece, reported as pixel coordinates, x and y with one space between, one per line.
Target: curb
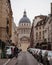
6 62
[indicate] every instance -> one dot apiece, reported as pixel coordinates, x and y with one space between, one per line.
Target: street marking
6 62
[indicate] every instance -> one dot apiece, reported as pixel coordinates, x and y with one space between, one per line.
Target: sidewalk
13 61
2 61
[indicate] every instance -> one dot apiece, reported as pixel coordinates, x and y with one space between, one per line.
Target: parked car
8 51
29 50
49 55
43 52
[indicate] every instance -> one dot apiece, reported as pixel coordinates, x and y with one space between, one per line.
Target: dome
24 19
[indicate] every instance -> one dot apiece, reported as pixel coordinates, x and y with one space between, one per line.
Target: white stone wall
24 30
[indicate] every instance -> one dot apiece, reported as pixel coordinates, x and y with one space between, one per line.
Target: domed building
24 29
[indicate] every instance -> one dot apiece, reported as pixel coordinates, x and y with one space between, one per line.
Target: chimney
51 8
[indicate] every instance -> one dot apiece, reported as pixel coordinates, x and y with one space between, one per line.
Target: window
39 27
36 28
43 37
39 35
7 21
36 35
43 34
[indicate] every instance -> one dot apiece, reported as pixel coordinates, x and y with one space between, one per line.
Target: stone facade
42 30
14 36
38 29
48 28
5 20
51 8
24 29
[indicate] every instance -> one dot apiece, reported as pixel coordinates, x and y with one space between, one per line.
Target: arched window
7 21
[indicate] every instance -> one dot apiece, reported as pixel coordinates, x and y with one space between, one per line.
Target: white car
49 55
8 50
43 52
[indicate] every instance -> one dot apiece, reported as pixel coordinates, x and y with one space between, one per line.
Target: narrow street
26 58
25 32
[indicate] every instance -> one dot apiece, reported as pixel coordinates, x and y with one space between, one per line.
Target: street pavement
25 58
13 61
51 62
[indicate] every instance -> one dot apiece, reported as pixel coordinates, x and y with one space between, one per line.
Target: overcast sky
32 7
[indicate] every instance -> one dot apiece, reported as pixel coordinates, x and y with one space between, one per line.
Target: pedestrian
12 51
16 51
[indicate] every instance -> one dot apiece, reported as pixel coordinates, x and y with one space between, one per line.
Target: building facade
5 20
32 35
42 31
24 29
14 36
48 28
38 29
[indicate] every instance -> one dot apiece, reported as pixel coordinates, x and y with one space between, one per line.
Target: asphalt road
25 58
